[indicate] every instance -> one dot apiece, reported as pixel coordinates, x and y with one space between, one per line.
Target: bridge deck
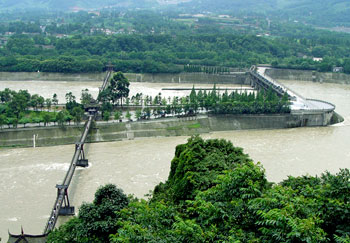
298 102
62 196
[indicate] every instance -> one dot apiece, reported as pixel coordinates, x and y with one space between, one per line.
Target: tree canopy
216 193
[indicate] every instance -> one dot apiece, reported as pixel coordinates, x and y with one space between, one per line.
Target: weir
62 205
299 104
259 80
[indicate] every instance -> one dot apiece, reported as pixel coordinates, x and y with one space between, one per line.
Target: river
48 88
28 176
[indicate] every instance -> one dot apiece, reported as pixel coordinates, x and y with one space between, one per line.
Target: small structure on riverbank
24 238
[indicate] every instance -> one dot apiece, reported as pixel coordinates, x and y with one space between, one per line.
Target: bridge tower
66 209
82 161
110 67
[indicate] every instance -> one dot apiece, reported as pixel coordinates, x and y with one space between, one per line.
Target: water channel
28 176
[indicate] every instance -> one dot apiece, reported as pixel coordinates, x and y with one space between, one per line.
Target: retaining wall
304 75
234 78
25 76
160 127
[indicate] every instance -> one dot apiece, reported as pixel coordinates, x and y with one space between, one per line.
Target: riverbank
196 78
204 78
305 75
50 136
164 127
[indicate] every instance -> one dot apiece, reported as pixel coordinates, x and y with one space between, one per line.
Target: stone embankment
49 136
233 78
46 136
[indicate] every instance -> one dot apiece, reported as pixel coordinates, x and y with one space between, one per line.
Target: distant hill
320 12
66 5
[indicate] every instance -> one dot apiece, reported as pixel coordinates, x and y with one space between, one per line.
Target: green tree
19 103
215 193
46 118
138 114
70 98
24 121
61 118
41 102
95 220
118 115
347 65
12 121
106 116
119 87
37 119
55 100
2 121
48 103
148 112
86 97
34 101
77 114
128 115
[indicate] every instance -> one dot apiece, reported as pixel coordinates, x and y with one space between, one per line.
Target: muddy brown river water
28 176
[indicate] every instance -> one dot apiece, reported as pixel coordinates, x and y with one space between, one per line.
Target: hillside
65 5
319 12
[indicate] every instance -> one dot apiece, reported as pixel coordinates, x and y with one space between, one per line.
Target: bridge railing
105 81
326 102
274 85
285 87
61 194
50 225
62 190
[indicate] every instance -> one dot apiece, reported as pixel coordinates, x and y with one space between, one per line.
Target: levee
115 131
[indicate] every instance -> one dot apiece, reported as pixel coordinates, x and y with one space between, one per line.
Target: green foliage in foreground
215 193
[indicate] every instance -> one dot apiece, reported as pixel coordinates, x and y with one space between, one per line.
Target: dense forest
216 193
143 41
165 53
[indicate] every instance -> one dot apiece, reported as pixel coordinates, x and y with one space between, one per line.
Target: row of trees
43 117
215 193
213 101
22 108
14 103
63 64
199 69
